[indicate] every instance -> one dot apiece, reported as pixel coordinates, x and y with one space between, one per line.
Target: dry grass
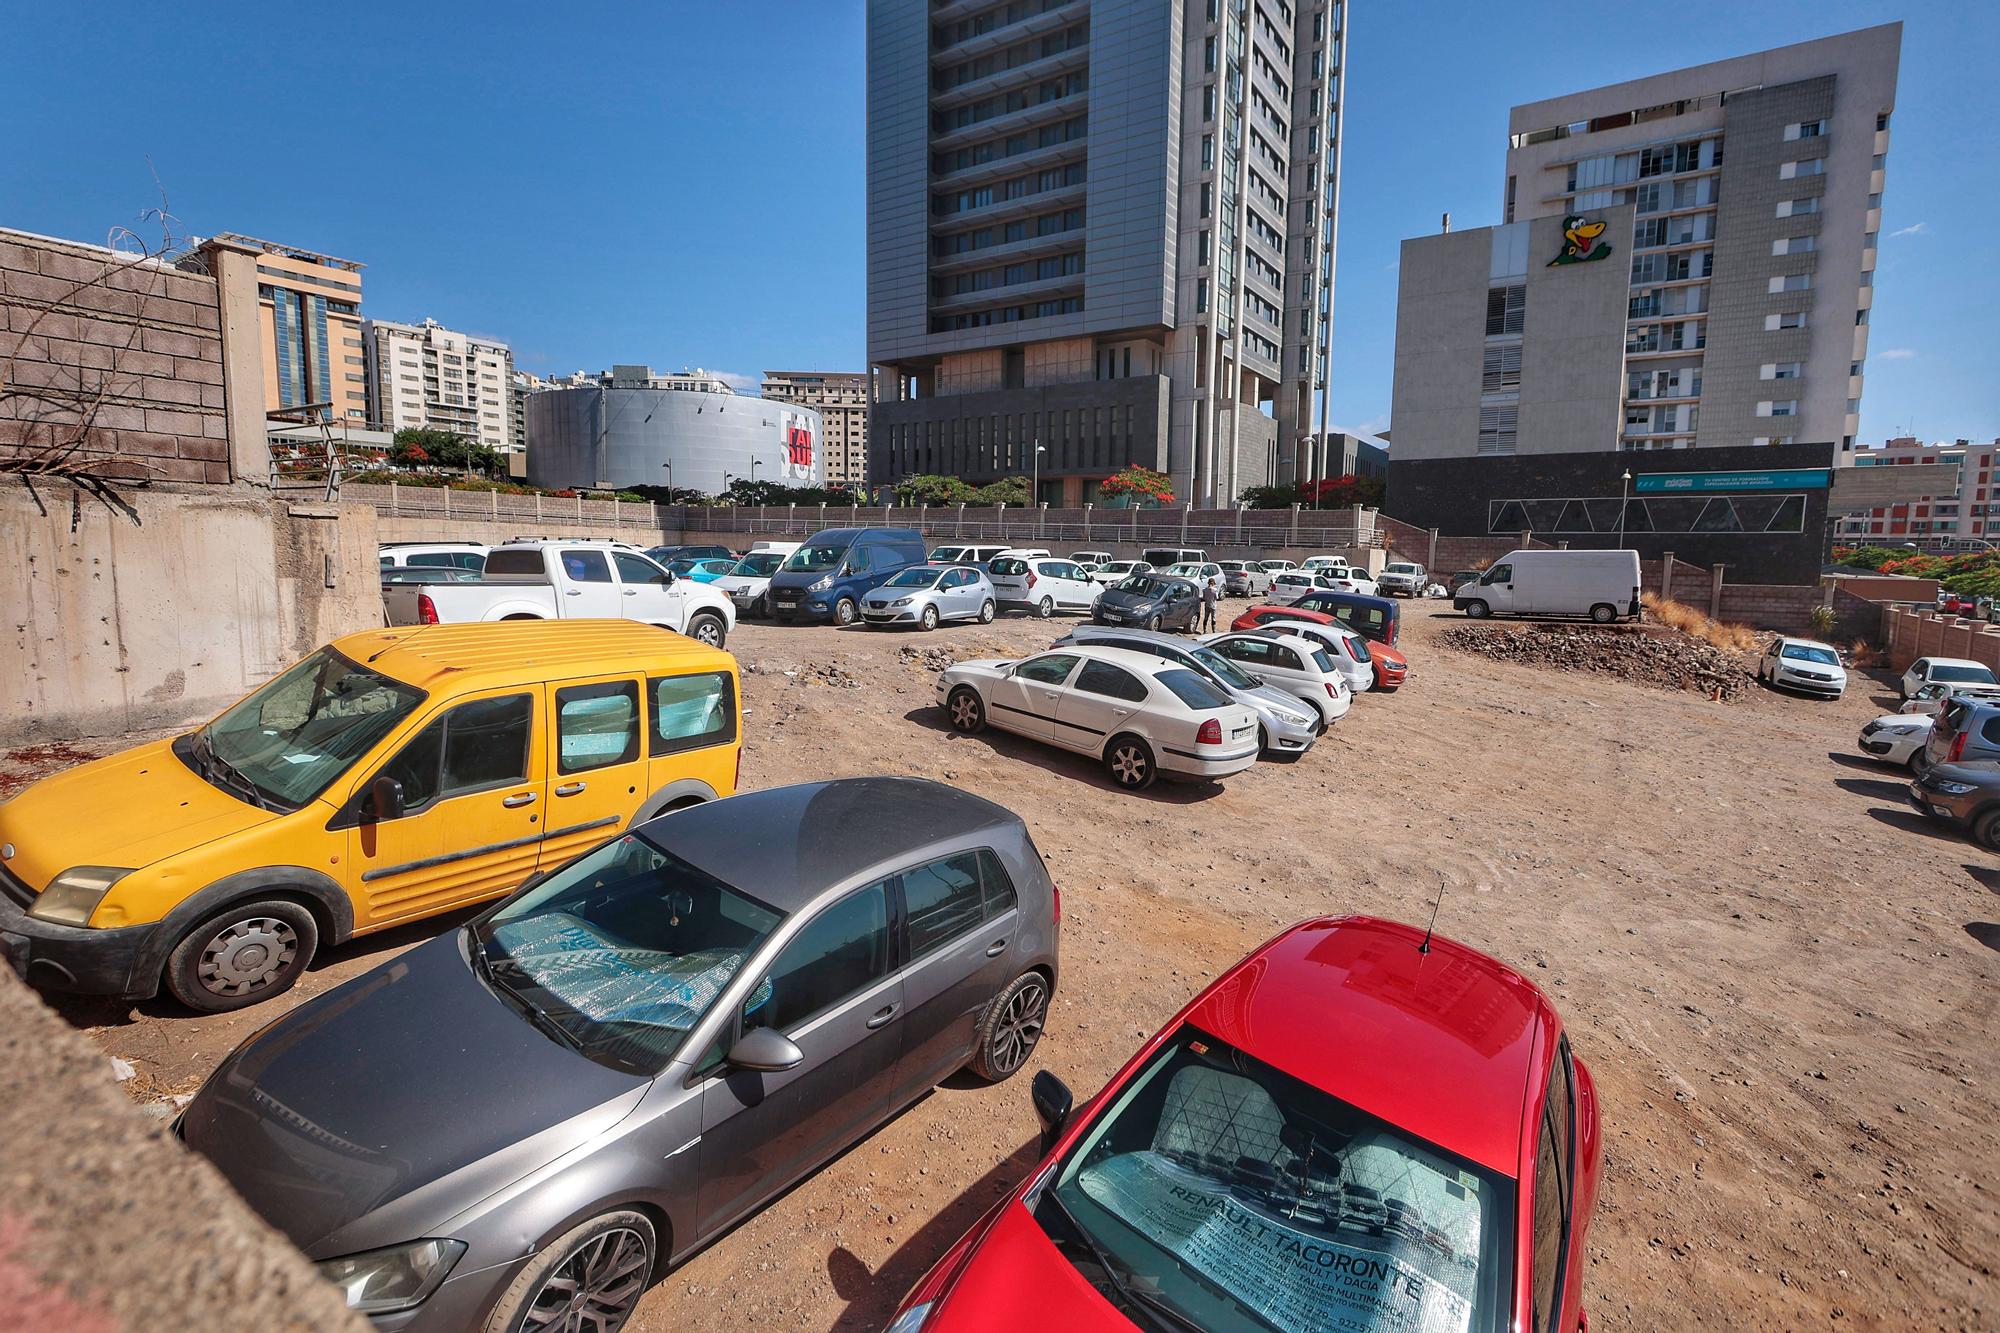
1862 653
1682 617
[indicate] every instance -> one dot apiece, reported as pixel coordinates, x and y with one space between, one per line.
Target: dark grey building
623 433
1100 232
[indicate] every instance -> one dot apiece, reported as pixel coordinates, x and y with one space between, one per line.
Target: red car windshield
1243 1199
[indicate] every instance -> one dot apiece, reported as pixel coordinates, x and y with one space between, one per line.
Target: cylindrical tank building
636 428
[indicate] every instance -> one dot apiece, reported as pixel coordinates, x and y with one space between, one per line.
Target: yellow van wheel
242 955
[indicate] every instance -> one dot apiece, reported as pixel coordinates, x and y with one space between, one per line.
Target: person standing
1210 595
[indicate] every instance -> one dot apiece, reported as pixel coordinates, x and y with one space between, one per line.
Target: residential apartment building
1735 207
841 399
309 317
425 375
1100 233
519 385
1963 505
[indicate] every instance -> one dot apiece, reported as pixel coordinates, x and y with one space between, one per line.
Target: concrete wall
1914 634
167 606
600 437
107 1224
131 345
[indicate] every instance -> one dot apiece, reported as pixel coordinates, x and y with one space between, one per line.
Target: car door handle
883 1015
631 592
572 592
995 949
519 799
569 789
1120 712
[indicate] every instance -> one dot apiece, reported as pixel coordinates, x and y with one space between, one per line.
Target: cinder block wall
121 351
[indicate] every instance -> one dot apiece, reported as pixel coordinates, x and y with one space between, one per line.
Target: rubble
1664 661
926 659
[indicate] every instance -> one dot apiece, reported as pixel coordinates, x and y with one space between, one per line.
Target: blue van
825 577
1375 618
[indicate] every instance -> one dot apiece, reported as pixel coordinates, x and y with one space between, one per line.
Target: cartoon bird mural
1580 241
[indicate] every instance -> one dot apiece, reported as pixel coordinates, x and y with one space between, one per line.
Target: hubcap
986 614
708 632
247 955
594 1289
1128 765
1020 1027
930 617
964 712
1048 608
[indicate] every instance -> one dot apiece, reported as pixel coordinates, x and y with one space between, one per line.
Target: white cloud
1897 354
1372 426
740 382
1914 229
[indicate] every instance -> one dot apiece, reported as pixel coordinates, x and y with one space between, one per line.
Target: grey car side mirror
766 1050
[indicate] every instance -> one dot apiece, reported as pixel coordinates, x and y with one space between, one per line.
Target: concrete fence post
615 512
1431 559
392 498
1527 538
1562 545
822 516
447 501
1186 510
923 516
1042 519
1292 528
579 509
1666 576
538 512
1239 523
961 519
1715 592
494 507
1086 524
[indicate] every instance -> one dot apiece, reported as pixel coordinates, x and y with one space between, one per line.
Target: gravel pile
927 659
1665 661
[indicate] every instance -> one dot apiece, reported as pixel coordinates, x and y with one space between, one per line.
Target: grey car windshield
1246 1199
918 577
623 950
1806 652
814 559
758 565
1143 585
281 746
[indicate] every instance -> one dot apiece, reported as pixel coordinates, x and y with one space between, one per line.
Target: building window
1791 282
1794 245
1497 426
1782 370
1504 309
1811 129
1811 166
1787 319
1787 408
1501 368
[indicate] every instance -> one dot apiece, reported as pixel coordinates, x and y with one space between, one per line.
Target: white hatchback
1291 585
1898 738
1292 663
1139 715
1044 584
1944 671
1348 649
1197 572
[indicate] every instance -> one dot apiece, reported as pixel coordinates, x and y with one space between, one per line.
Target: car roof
1443 1044
1954 661
1810 643
481 654
787 845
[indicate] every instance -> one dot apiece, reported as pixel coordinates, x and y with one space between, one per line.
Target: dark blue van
1375 618
824 578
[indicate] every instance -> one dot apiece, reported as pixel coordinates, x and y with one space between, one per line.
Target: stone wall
107 1224
1766 605
111 359
1913 634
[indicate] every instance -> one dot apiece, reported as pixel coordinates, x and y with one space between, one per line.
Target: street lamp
1624 490
755 463
1035 492
669 466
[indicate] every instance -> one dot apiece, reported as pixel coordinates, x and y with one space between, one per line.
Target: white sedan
1944 671
1898 738
1806 665
1348 649
1140 715
1299 666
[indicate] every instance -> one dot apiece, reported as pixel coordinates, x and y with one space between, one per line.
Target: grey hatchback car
522 1123
1966 732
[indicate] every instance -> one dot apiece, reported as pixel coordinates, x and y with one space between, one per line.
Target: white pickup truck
556 580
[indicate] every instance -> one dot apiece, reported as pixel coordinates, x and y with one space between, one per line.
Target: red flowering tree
1139 487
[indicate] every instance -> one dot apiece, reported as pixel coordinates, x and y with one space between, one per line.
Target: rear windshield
1192 690
1322 661
525 561
1964 675
814 559
1008 567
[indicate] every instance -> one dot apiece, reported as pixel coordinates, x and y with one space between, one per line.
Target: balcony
1034 247
1006 210
1000 81
1035 25
1038 289
999 168
1029 117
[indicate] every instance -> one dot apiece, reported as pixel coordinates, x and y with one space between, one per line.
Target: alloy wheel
247 955
594 1289
1020 1026
965 711
1128 766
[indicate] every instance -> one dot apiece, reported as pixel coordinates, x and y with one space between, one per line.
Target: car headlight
911 1319
900 601
73 895
1906 729
821 584
1954 788
382 1281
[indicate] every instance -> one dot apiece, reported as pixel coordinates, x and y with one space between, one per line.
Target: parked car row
679 1000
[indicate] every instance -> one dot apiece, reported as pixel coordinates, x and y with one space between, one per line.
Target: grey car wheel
843 611
1011 1028
1476 610
1153 622
242 956
1604 613
1046 607
987 610
1129 761
929 618
967 713
707 629
587 1281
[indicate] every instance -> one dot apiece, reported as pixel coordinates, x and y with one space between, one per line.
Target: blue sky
681 183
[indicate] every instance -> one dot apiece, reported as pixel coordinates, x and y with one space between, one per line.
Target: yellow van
390 776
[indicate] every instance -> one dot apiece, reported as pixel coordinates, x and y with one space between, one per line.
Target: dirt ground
1783 980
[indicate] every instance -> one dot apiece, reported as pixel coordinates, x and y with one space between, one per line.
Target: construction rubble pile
1667 661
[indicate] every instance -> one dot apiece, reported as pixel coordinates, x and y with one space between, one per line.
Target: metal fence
1210 529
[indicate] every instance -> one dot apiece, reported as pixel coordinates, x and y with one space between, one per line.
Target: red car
1391 667
1358 1127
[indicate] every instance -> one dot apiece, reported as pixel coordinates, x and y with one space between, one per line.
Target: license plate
1241 731
788 601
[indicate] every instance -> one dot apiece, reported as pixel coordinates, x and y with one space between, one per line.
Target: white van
1162 556
968 555
1603 585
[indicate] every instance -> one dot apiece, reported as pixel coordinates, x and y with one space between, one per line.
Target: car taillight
1957 748
1332 692
427 610
1055 911
1210 733
1031 578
